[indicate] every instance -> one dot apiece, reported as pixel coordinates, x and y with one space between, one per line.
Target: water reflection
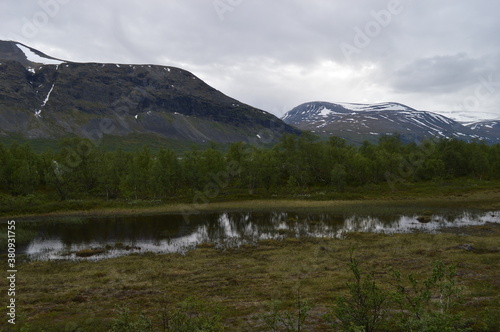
171 233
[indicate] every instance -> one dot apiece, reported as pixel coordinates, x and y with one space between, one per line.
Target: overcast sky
437 55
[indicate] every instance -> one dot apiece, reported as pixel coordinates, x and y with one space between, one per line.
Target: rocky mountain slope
488 128
44 97
359 122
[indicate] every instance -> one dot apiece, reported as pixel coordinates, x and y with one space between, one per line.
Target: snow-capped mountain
489 127
45 97
359 122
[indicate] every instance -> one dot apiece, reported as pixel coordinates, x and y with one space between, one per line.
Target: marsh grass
419 197
57 295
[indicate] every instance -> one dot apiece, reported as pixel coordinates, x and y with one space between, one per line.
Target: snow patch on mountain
48 95
38 113
490 124
325 111
33 57
374 107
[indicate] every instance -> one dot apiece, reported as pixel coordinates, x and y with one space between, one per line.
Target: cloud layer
431 55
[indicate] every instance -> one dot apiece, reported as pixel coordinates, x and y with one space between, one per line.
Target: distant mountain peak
358 122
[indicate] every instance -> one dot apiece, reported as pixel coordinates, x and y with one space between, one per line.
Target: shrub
428 305
277 319
364 309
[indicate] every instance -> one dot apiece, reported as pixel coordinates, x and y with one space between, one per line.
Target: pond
105 237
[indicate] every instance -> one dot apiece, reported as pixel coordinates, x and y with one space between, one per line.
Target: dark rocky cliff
51 99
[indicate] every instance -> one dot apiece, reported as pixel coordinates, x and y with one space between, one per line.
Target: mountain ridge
42 97
46 97
358 122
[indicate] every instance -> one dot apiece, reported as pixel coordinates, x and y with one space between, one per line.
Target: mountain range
359 122
43 97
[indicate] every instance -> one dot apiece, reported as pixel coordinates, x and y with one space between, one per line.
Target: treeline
80 169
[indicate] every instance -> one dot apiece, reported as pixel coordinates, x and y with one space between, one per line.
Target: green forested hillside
80 170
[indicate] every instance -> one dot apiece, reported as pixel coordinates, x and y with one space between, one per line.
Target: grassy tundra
237 288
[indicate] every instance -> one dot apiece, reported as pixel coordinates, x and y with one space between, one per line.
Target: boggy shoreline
89 295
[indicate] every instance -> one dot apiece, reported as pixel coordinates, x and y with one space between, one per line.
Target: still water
62 239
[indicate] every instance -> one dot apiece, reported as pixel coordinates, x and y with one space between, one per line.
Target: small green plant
365 308
193 314
163 313
277 319
189 315
428 305
126 323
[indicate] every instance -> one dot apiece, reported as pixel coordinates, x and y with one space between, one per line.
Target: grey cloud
438 74
271 53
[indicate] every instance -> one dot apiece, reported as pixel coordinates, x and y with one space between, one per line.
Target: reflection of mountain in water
172 233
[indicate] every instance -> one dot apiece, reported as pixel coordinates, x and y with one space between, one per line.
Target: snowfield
33 57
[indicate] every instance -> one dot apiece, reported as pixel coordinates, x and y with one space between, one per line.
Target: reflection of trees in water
234 228
248 227
217 227
369 223
251 226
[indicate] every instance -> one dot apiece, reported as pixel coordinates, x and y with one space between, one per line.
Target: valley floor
243 282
